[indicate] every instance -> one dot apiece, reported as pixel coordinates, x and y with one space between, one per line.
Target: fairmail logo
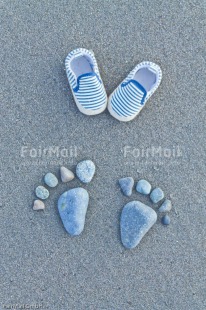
49 152
153 151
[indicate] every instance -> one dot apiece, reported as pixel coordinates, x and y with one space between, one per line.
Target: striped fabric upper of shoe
88 87
128 99
130 96
90 92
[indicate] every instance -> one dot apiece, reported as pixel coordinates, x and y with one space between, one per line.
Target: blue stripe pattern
90 92
87 88
128 98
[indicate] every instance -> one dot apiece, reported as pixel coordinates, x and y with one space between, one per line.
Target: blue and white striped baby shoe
85 81
130 96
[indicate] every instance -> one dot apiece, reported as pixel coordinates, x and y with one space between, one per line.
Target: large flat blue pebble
136 220
72 206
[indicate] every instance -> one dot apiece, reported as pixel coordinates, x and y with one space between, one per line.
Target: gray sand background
39 263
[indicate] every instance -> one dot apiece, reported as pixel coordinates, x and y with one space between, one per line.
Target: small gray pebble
166 220
156 195
85 170
143 187
50 179
166 206
66 174
42 192
126 185
38 205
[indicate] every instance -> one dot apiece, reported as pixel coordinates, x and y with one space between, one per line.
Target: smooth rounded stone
66 174
38 205
50 179
126 185
143 187
166 206
156 195
85 170
72 206
166 220
42 192
136 219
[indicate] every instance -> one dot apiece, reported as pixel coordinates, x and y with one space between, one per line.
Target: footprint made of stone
136 217
72 204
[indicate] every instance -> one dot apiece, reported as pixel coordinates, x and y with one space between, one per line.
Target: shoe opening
146 78
81 65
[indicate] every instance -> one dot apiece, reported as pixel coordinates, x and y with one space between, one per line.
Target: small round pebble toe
42 192
126 185
143 187
38 205
166 220
156 195
166 206
66 174
50 179
85 171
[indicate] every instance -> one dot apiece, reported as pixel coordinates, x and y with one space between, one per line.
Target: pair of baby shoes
127 99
